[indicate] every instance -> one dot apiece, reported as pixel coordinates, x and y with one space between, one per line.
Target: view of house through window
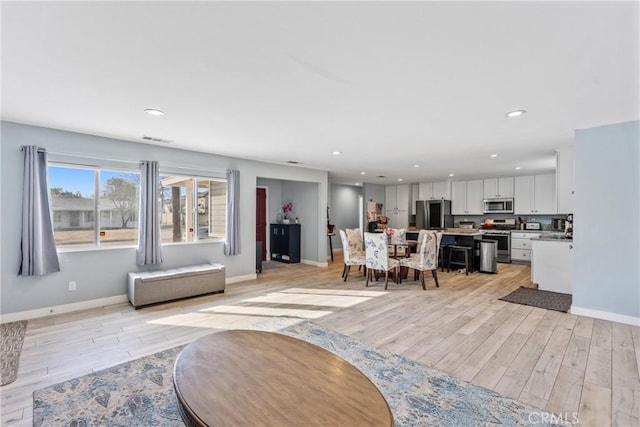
193 209
94 207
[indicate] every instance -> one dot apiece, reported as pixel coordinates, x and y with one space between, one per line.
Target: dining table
403 250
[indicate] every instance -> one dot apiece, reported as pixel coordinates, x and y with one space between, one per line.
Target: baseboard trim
64 308
605 315
244 278
314 263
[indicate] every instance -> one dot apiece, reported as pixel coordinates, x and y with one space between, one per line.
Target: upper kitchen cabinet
565 179
397 205
498 188
440 190
535 195
466 197
397 197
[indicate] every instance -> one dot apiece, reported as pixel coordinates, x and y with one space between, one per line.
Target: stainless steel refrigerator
433 214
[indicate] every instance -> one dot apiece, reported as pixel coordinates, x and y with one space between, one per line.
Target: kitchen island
457 236
552 263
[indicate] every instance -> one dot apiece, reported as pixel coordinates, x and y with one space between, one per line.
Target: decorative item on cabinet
286 210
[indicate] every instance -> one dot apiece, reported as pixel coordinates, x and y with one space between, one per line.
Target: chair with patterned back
426 258
350 257
398 240
377 257
354 237
421 235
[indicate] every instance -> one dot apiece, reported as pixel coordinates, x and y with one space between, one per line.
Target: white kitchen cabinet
397 197
466 197
440 190
397 205
535 195
397 218
565 179
552 265
521 245
425 191
498 188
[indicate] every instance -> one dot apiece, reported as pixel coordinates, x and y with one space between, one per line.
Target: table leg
330 246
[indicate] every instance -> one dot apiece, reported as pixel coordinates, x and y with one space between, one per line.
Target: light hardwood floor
558 362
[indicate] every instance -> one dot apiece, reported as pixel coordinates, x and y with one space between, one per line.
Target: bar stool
466 250
443 252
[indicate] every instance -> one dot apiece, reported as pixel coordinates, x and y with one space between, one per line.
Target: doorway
261 220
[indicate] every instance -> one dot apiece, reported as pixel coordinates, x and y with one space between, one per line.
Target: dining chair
350 257
421 235
399 241
425 258
354 237
377 257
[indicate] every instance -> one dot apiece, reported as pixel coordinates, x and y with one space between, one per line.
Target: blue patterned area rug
140 392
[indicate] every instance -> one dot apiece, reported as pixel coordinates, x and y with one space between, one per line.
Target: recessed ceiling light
363 173
493 156
357 183
399 179
336 153
451 174
515 113
517 168
416 166
154 112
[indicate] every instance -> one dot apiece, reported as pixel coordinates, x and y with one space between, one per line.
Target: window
193 208
94 207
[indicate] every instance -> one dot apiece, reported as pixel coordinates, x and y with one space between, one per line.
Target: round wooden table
256 378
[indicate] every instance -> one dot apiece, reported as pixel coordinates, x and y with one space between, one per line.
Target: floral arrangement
287 208
390 231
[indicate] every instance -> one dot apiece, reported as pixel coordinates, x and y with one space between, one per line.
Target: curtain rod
59 153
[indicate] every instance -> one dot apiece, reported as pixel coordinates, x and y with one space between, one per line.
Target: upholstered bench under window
151 287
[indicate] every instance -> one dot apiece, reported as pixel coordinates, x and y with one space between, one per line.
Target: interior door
261 220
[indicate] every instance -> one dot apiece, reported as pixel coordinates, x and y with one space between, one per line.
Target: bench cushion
149 287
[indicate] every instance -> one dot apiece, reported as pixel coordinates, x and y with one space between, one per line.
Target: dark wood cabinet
285 242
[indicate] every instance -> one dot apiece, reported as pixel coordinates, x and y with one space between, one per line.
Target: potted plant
286 210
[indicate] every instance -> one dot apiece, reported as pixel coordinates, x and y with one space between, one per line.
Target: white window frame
201 175
96 169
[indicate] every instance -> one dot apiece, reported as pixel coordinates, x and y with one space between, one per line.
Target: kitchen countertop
546 235
462 232
552 238
454 231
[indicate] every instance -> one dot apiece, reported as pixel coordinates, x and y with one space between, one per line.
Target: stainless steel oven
503 240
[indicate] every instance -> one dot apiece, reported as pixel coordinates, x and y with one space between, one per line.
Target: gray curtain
38 246
149 242
232 245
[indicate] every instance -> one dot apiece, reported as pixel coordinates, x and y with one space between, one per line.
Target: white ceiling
389 84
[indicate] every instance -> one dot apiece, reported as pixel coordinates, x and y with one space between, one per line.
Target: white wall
606 260
102 273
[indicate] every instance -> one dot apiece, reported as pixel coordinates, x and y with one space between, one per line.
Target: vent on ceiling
293 162
154 139
381 176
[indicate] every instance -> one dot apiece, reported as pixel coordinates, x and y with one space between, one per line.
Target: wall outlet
72 286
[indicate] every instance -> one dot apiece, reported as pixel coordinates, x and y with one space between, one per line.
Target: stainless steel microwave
498 205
